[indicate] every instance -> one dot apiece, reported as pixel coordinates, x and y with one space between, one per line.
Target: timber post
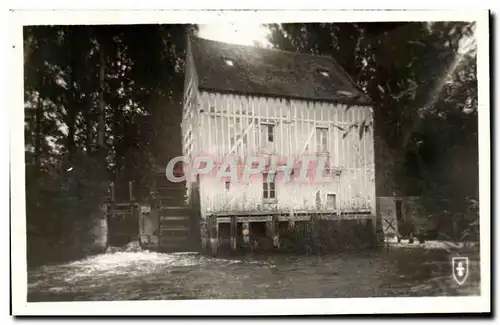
291 221
315 230
204 235
276 232
233 232
271 230
213 233
246 232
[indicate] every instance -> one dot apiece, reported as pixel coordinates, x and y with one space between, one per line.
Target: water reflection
150 275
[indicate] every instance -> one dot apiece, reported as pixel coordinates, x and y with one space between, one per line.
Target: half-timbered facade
243 101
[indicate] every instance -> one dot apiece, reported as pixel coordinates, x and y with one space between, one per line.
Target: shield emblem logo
460 267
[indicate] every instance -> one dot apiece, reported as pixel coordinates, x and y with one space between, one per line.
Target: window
321 139
344 93
269 188
331 202
270 133
267 134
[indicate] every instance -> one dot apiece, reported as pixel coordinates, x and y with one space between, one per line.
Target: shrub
406 228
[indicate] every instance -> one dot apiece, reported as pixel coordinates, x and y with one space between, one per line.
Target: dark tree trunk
38 136
101 119
71 99
88 125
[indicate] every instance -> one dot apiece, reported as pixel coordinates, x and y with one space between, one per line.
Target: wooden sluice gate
168 223
162 223
122 223
168 229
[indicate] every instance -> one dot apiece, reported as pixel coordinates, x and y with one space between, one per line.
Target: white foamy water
151 275
119 263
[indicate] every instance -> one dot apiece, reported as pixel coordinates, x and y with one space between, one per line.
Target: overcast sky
245 34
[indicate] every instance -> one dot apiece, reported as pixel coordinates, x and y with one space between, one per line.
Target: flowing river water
149 275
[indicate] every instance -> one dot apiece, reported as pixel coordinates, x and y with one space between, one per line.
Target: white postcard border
393 305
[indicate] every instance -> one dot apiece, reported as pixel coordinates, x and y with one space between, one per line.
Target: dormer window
229 62
344 93
324 73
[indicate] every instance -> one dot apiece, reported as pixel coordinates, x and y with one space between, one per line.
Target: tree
401 66
100 103
423 85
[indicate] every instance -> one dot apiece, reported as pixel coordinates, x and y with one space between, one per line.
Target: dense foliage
422 80
102 104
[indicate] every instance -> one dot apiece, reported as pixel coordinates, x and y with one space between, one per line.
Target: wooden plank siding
230 124
190 126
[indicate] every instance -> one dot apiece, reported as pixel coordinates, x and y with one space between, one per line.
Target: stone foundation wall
100 231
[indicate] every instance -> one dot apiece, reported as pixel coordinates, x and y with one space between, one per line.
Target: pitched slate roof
260 71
